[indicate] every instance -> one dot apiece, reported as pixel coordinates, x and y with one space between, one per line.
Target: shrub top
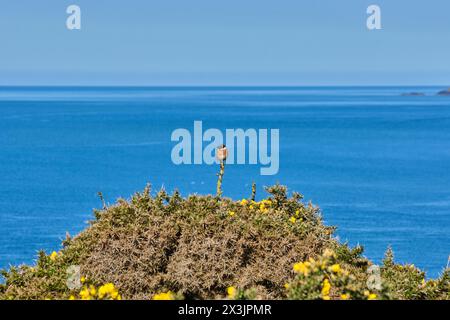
203 247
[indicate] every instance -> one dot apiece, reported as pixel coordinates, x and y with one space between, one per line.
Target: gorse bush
408 282
324 278
205 247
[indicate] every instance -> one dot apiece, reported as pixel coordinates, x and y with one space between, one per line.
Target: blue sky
232 42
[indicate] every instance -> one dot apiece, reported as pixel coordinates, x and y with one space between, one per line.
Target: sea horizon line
249 86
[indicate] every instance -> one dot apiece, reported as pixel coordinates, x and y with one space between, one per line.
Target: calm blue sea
376 162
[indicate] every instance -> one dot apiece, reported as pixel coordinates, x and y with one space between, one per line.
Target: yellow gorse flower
345 296
293 219
302 268
335 268
231 213
107 289
231 291
85 294
262 207
54 255
326 286
372 296
105 292
164 296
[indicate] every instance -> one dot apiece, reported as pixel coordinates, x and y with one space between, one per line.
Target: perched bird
222 153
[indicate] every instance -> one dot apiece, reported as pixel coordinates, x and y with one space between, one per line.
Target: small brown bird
222 153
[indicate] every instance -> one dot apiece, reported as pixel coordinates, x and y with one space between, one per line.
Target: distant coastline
421 94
